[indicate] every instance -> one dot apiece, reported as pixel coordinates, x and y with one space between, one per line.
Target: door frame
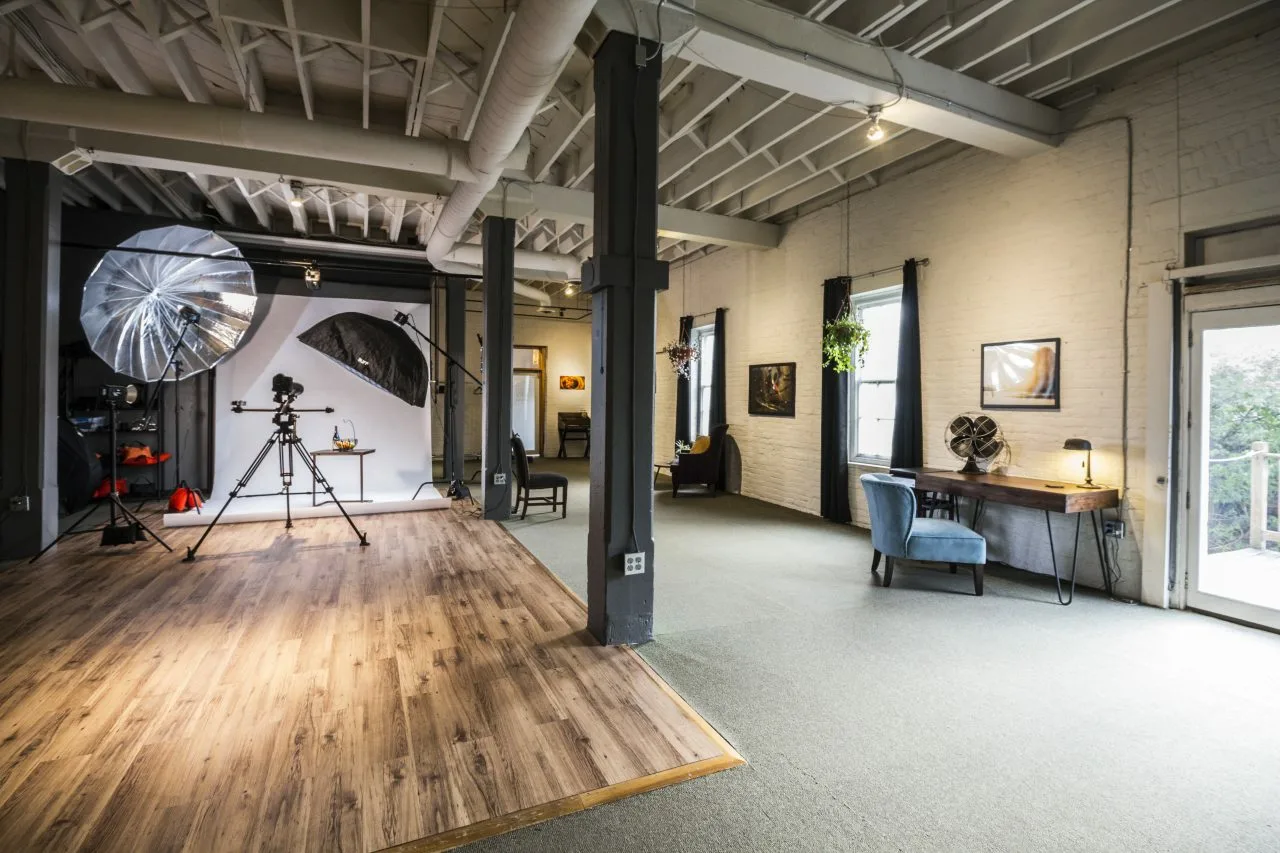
1201 303
541 373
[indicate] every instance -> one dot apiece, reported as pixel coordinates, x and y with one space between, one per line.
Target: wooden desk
1034 493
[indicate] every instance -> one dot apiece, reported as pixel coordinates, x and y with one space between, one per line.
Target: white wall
399 432
568 344
1019 249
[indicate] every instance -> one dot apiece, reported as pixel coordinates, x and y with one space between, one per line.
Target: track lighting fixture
295 194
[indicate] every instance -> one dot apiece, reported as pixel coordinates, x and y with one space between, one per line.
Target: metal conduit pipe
541 35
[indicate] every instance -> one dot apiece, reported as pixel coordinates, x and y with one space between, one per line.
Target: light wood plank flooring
292 691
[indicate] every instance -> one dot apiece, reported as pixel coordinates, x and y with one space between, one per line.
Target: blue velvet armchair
896 533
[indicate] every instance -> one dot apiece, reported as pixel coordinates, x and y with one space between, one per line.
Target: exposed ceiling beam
299 60
767 44
395 218
259 207
420 88
297 207
245 69
398 28
1170 24
1010 28
494 43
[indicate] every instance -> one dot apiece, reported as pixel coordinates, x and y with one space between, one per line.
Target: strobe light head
118 395
284 386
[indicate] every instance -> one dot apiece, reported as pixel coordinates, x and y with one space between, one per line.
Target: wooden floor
292 691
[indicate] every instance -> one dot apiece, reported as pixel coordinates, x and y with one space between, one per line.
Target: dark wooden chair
527 482
701 468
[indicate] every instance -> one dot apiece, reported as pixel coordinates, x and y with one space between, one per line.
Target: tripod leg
310 462
64 534
235 493
286 477
129 516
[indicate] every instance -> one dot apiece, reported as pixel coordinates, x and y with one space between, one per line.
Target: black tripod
457 481
123 529
283 439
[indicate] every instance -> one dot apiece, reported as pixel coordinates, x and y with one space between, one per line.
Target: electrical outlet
499 479
19 503
1114 529
634 564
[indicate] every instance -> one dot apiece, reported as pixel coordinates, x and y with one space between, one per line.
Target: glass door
529 396
1233 543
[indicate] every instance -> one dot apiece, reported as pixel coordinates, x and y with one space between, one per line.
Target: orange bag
184 499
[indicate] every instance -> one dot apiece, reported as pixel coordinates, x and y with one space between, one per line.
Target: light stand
458 487
284 439
189 317
113 532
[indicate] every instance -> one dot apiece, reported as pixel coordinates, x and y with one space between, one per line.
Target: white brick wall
1031 248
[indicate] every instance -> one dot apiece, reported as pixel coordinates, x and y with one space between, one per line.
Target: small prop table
659 466
359 452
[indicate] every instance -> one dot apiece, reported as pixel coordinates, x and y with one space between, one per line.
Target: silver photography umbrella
137 303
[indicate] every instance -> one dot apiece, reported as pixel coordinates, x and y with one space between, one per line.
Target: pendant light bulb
874 133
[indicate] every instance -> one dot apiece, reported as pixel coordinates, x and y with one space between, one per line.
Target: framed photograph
1022 374
573 383
771 390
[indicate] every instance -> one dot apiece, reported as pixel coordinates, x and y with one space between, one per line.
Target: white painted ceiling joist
770 45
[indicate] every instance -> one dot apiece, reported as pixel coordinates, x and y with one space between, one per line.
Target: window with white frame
872 395
700 379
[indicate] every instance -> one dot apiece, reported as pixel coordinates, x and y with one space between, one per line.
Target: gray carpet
921 718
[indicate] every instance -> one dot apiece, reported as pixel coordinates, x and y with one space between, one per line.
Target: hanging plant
682 355
844 341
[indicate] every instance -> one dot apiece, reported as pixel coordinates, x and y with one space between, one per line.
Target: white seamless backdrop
399 432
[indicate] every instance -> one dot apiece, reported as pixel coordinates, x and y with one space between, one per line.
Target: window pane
704 411
882 356
875 437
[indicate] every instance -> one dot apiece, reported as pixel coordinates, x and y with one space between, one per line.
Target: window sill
869 463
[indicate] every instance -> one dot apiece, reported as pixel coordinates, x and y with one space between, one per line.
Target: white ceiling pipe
548 264
540 38
164 118
528 291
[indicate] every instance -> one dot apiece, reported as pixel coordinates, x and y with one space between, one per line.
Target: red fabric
104 488
139 460
184 499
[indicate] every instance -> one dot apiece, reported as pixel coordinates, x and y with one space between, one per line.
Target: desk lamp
1083 444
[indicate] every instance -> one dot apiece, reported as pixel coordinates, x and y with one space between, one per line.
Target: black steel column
499 319
455 342
623 277
29 357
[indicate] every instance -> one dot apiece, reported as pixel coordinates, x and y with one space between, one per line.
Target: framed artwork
771 390
1022 374
573 383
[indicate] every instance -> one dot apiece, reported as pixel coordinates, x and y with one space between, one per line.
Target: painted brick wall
1018 249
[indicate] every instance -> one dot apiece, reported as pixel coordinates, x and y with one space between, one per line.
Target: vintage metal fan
140 296
975 438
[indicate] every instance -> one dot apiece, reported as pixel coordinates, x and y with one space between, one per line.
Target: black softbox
377 350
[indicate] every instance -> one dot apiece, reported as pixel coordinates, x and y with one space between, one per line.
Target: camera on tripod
283 386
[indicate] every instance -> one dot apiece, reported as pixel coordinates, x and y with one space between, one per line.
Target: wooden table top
359 451
1033 492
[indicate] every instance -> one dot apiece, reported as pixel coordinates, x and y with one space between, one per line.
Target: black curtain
835 415
684 389
718 415
908 422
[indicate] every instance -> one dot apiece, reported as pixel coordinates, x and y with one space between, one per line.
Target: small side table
359 452
659 466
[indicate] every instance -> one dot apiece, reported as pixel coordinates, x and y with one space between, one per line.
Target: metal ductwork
541 36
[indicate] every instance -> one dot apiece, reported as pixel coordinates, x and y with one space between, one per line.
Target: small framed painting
771 390
1022 374
573 383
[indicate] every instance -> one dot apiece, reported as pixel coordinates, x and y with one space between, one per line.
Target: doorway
1233 455
529 397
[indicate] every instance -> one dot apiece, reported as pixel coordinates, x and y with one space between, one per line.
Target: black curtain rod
922 262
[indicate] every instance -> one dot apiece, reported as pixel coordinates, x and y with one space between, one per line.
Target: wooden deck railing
1259 457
